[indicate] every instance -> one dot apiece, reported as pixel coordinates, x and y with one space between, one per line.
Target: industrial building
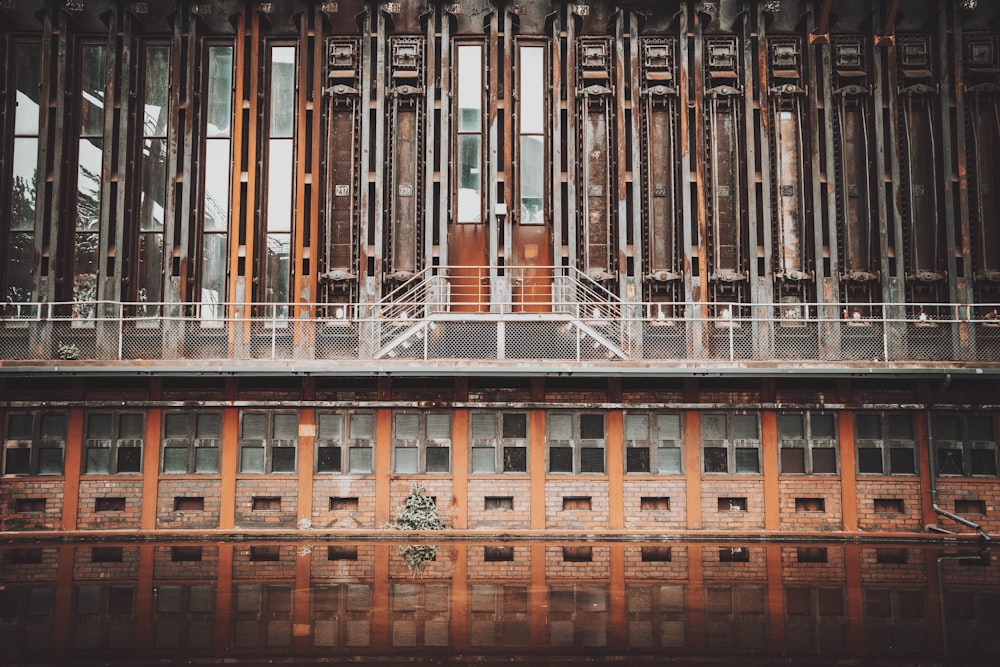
696 267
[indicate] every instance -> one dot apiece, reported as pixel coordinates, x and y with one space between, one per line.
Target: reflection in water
532 601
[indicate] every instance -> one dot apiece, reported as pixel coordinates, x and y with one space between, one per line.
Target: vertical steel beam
757 128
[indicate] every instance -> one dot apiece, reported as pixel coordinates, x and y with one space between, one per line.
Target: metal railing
529 314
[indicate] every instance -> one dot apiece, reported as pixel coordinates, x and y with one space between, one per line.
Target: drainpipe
934 494
983 555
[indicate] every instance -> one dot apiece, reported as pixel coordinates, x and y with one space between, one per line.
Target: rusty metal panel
405 143
595 94
982 65
339 267
659 142
923 229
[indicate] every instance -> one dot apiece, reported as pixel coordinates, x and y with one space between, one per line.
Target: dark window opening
106 555
902 461
328 459
341 553
576 503
25 556
498 503
889 505
652 503
109 504
344 504
870 460
637 459
189 503
811 554
515 425
655 554
25 505
970 507
185 554
732 504
983 461
438 459
889 556
716 459
560 459
515 459
578 554
498 554
810 505
734 554
793 460
267 553
591 459
592 427
266 503
949 462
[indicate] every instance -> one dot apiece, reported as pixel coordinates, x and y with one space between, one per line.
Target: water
521 602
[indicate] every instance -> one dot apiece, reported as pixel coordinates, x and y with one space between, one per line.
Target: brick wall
906 489
164 567
439 488
827 488
654 519
874 572
596 518
14 489
208 488
129 488
85 569
558 568
283 568
675 568
988 491
322 567
519 489
831 571
362 488
46 569
268 486
714 568
751 488
439 568
519 568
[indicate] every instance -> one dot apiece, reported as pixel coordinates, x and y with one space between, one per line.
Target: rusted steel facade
315 202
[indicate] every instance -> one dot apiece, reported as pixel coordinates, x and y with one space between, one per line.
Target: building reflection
531 599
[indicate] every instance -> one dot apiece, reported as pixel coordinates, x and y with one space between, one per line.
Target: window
34 444
421 442
24 109
191 442
576 442
279 185
218 112
499 442
268 441
113 443
808 442
185 554
964 445
530 123
109 504
731 443
106 554
344 442
153 206
469 133
653 443
885 443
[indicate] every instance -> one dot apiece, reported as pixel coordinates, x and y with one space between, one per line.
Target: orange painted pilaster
775 599
223 599
151 469
617 609
306 466
460 468
144 598
855 600
848 468
536 469
538 599
72 467
696 597
924 463
383 466
301 600
769 461
616 470
227 468
459 629
380 599
692 467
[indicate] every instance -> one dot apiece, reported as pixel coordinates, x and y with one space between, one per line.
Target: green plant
418 512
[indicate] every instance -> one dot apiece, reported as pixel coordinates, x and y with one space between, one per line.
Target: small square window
888 505
656 554
716 459
970 507
578 554
811 554
129 459
26 505
592 427
185 554
265 553
515 459
109 504
810 505
498 503
343 504
637 459
106 555
734 554
266 503
747 460
498 554
591 459
560 459
515 425
25 556
654 503
438 459
359 459
732 504
206 459
668 460
341 553
576 503
870 460
793 460
189 503
406 459
983 461
890 556
328 459
283 459
824 460
484 460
